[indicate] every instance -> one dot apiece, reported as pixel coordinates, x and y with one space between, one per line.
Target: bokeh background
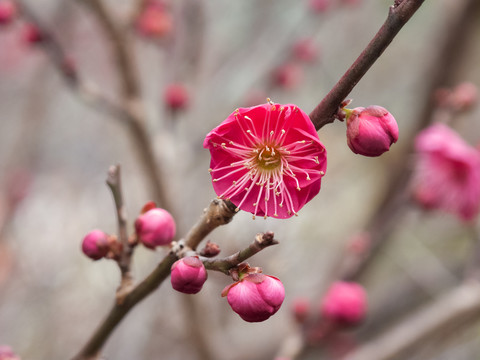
55 151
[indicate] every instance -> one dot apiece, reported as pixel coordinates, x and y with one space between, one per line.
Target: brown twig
397 17
261 242
456 306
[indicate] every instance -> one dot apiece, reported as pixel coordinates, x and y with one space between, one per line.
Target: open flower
447 172
267 159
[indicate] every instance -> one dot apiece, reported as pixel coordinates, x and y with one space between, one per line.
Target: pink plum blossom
155 21
345 303
188 275
371 131
447 172
267 159
255 297
155 227
95 244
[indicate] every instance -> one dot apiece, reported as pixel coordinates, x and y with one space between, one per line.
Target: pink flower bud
176 97
95 244
371 131
6 353
305 50
155 21
464 96
287 76
256 297
345 303
301 309
188 275
8 11
154 228
319 6
32 34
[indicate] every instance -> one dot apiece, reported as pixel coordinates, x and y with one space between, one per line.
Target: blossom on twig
267 159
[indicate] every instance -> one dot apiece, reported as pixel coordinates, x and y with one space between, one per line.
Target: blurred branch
218 213
454 307
131 100
398 16
261 242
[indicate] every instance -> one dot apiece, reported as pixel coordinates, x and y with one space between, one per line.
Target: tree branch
398 16
261 242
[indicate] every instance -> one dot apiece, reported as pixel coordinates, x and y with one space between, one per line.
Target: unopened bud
210 249
155 228
255 297
188 275
176 97
32 34
371 131
95 244
301 309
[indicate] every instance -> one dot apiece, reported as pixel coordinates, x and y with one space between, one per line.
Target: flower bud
345 303
319 6
301 309
255 297
32 34
176 97
371 131
154 228
287 76
188 275
6 353
155 21
95 244
8 10
305 50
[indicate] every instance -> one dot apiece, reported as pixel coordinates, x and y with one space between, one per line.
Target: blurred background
56 148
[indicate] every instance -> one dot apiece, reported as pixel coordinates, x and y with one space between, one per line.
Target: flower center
268 157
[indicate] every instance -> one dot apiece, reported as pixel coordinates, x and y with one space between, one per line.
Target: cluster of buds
370 131
154 227
31 33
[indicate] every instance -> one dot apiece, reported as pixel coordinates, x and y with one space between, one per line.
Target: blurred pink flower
305 50
6 353
371 131
447 172
287 76
155 21
188 275
8 11
345 303
267 159
255 297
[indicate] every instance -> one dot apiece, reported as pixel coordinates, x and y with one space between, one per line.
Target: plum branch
398 16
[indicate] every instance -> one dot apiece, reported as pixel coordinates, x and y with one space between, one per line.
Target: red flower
267 159
447 172
345 303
